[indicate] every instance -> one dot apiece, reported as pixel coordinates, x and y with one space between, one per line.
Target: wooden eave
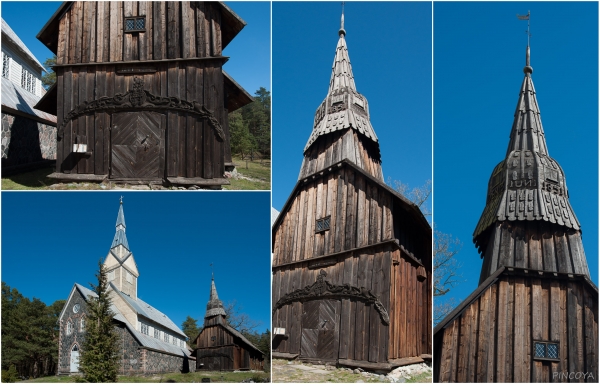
237 96
48 102
231 25
232 331
509 271
409 206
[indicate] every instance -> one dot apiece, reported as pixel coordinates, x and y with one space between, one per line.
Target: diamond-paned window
5 65
135 24
545 350
323 224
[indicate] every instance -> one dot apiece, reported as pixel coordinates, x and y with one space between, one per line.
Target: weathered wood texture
190 147
362 213
172 30
220 350
491 340
340 145
535 245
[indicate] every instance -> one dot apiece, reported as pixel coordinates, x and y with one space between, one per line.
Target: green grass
261 173
424 377
29 180
193 377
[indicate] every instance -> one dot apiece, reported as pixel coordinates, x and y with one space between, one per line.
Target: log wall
492 339
226 348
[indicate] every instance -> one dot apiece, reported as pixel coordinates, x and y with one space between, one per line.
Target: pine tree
190 328
99 359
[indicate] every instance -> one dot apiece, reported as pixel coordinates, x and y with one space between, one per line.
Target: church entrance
75 359
320 331
137 145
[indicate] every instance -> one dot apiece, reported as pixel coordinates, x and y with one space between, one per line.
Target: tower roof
214 306
343 106
528 184
120 237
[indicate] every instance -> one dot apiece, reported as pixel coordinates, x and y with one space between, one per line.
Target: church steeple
214 307
120 264
528 187
344 112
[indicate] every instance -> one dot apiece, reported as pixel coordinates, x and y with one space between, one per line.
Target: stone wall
155 362
131 354
65 341
26 141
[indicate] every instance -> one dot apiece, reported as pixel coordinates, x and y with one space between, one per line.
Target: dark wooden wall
336 146
229 353
492 340
362 213
93 31
535 245
192 148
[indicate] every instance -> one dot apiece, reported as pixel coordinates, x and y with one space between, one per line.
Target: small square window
545 350
135 24
322 224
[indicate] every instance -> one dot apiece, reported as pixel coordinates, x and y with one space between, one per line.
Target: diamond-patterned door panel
136 141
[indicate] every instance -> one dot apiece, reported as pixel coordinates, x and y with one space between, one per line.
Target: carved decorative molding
322 289
139 98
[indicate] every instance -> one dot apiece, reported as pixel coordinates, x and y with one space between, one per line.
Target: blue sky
51 240
479 51
389 45
250 58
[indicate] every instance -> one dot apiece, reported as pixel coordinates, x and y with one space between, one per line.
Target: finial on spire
342 31
121 200
528 69
212 271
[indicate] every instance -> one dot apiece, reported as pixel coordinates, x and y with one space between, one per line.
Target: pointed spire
214 306
342 31
120 237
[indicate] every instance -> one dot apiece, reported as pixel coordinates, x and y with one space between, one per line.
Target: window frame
69 329
5 65
135 19
545 358
323 220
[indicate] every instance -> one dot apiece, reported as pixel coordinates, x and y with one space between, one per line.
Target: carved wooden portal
137 145
320 331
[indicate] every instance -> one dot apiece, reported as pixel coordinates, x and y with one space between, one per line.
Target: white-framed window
174 340
156 333
27 81
5 65
111 275
82 324
166 338
129 277
144 328
69 327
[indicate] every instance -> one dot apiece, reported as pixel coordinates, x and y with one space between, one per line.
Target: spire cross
212 271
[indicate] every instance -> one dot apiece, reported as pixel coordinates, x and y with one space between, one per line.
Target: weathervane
526 17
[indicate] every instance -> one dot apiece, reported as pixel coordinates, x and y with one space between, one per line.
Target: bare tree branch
239 320
445 265
418 195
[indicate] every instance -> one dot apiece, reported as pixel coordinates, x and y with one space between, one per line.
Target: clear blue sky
389 44
250 56
479 51
51 240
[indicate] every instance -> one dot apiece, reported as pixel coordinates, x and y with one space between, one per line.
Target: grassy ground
260 173
194 377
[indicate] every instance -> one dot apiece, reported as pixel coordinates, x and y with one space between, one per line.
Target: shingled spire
528 186
120 237
343 111
214 307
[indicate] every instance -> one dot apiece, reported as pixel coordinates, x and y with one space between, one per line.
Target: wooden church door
137 145
75 359
320 331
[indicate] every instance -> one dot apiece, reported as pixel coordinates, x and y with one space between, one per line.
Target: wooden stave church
371 268
165 82
219 346
535 287
151 342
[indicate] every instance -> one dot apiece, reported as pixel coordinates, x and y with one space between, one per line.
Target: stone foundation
25 141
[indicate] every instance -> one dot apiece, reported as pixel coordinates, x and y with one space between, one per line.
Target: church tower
351 256
534 316
215 312
120 265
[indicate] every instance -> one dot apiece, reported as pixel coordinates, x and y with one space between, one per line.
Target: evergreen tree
99 359
49 78
190 328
